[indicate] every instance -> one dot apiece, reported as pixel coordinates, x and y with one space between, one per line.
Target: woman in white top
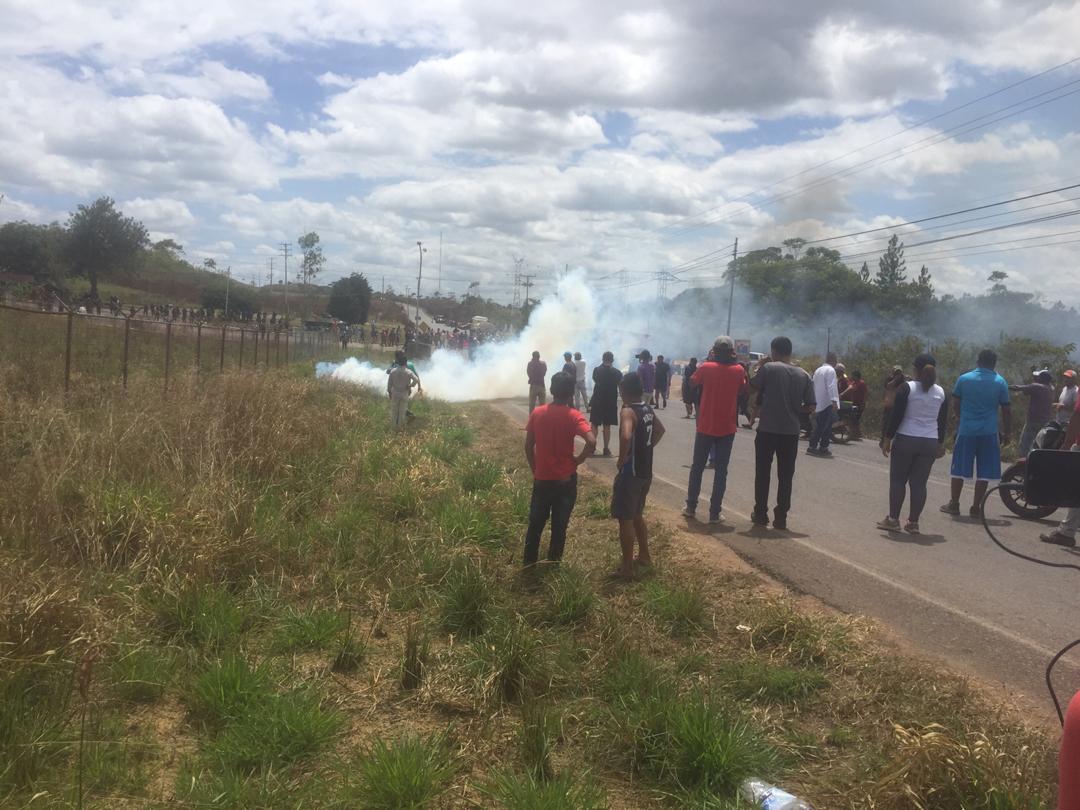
915 439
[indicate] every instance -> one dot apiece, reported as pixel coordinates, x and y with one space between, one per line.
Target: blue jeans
719 448
822 435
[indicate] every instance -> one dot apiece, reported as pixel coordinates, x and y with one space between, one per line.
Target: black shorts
604 412
628 496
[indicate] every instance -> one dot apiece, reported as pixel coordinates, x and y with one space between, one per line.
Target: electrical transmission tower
518 264
285 248
662 279
527 282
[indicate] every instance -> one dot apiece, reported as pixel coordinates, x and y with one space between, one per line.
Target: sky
619 139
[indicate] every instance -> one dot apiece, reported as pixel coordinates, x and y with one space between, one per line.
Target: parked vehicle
1050 437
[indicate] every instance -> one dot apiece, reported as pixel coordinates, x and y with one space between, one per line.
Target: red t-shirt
856 393
721 384
554 428
1069 759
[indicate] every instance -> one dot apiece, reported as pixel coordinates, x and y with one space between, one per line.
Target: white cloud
211 80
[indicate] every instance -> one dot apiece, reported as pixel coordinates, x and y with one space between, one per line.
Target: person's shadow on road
697 527
767 533
914 539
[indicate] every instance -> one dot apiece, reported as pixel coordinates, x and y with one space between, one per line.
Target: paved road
950 592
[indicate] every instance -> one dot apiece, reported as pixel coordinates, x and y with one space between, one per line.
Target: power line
896 134
916 146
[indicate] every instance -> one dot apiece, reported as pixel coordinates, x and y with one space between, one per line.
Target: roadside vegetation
250 594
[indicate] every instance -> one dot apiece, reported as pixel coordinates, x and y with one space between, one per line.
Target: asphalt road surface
949 592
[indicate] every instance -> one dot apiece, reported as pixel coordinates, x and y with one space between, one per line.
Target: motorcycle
1051 437
841 429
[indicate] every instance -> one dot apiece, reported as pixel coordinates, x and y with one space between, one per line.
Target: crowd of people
782 400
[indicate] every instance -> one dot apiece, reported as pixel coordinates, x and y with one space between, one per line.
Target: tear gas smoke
573 319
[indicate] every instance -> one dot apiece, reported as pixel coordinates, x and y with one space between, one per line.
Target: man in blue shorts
977 451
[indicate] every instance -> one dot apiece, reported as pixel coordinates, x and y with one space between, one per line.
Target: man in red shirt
855 393
721 379
549 447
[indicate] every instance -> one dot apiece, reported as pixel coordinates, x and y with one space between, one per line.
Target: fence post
256 349
67 351
127 341
277 349
198 349
168 352
242 330
286 348
222 369
266 340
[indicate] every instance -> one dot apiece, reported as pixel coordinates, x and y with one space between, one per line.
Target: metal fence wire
64 349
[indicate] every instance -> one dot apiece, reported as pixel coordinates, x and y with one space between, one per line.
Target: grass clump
465 598
350 655
465 521
510 660
527 792
228 688
278 731
570 597
406 774
681 609
141 672
312 629
34 713
201 615
540 728
414 658
479 474
934 768
759 680
801 638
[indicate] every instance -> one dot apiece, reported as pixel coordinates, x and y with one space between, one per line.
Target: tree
313 260
171 247
210 265
240 297
350 299
32 250
891 266
101 239
794 246
864 273
997 282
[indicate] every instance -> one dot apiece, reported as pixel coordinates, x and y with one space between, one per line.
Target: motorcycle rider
1065 533
1040 395
1066 403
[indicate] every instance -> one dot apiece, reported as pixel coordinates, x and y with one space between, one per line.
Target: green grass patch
509 660
760 680
680 609
406 774
228 688
466 598
479 475
571 597
140 673
527 792
466 521
201 615
312 629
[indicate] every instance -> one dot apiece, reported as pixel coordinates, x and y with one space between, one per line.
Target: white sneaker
687 512
716 521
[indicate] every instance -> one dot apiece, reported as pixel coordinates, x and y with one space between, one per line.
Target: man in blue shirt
977 451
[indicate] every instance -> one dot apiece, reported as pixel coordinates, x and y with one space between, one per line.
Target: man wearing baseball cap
1040 395
1066 403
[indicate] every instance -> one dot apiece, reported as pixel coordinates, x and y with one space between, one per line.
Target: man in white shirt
827 396
581 384
1066 403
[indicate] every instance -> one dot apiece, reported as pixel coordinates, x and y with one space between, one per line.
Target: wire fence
65 349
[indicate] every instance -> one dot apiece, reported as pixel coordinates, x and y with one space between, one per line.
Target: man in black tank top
639 432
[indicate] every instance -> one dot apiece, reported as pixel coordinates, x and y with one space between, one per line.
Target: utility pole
438 287
228 278
419 275
285 248
527 282
731 294
271 274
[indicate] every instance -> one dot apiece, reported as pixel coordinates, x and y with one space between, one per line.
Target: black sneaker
759 519
780 522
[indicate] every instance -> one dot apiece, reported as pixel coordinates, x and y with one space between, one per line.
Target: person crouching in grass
640 430
549 447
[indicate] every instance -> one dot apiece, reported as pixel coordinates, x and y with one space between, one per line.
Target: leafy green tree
350 299
241 297
313 260
891 266
101 239
864 273
170 247
210 264
997 282
33 250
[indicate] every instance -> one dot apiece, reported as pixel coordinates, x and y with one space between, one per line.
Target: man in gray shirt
784 391
1040 408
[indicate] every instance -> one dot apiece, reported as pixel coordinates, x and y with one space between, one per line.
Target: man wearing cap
722 379
581 383
1040 408
1066 403
647 371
